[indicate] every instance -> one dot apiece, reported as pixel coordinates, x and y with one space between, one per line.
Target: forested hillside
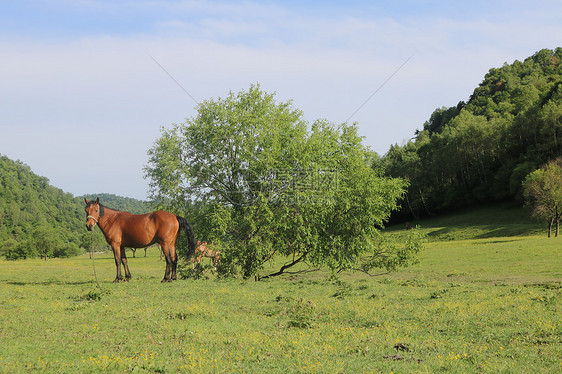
480 150
37 218
125 204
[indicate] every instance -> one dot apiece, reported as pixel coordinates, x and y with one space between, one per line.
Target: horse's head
93 213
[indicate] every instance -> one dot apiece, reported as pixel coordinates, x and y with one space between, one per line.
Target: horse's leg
117 254
125 265
166 252
145 251
174 257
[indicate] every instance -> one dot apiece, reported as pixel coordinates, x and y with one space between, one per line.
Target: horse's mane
102 208
115 210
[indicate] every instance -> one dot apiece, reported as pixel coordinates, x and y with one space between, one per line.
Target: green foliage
29 206
391 254
20 250
480 151
33 214
45 240
542 190
93 295
301 313
264 185
187 271
441 117
37 219
67 250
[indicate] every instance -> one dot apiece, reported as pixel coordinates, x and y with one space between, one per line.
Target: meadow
485 297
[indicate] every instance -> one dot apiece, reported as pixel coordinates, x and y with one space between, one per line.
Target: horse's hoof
166 280
116 280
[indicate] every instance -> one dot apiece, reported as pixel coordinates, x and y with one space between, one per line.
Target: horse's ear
97 200
86 200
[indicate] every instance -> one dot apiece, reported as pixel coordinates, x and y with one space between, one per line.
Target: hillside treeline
479 151
125 204
32 210
37 219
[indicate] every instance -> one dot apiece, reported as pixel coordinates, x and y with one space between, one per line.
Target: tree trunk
550 222
411 210
557 222
423 202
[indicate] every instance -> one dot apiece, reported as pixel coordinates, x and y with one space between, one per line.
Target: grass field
485 297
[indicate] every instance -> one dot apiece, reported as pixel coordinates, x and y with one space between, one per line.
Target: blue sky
82 100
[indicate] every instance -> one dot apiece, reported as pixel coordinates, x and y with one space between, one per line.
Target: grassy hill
482 222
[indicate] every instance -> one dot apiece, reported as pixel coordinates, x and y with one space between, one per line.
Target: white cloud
106 88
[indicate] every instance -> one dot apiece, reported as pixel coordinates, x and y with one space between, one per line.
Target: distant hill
126 204
479 151
32 212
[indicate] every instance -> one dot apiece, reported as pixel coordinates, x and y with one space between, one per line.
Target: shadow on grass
461 232
51 282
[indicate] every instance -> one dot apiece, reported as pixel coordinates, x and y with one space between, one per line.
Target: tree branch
284 267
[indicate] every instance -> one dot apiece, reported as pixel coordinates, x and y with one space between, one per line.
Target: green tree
45 239
8 246
269 186
542 190
66 250
441 117
22 250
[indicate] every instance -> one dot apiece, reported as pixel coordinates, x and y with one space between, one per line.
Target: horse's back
165 223
158 217
141 230
163 216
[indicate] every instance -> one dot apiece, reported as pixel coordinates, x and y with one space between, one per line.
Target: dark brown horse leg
125 265
168 264
117 255
174 257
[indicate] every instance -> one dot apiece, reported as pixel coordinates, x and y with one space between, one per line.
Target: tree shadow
487 232
53 282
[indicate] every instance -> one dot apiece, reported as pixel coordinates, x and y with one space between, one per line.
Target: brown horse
123 229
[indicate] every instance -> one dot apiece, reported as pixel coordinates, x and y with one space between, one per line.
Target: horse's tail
186 227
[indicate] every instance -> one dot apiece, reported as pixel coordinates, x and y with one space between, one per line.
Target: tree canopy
481 150
259 182
542 190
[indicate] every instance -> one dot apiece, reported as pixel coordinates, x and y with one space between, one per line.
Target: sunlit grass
480 305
